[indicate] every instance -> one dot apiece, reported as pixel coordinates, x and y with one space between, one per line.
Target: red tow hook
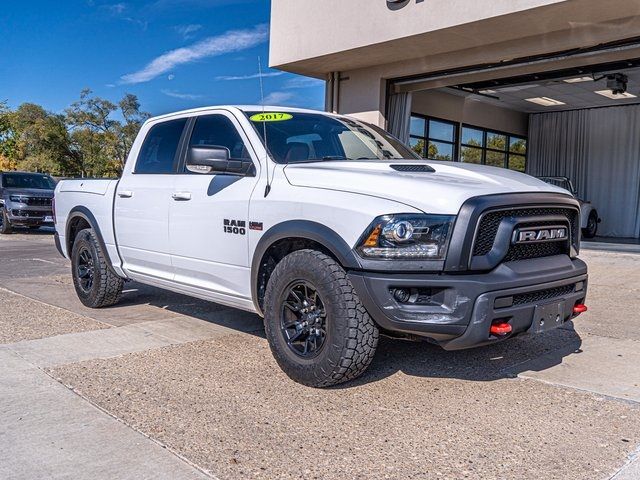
500 329
579 308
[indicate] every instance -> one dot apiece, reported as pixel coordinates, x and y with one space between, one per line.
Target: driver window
219 131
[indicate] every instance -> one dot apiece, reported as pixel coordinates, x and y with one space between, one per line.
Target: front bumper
29 216
457 310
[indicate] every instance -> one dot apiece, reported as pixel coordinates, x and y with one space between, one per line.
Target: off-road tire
351 335
107 286
592 225
5 226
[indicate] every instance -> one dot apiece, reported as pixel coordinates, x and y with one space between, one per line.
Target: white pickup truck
330 229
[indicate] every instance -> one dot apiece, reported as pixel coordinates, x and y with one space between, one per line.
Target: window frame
184 147
484 148
186 140
177 158
456 137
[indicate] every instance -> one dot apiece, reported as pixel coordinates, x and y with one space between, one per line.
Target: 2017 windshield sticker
270 117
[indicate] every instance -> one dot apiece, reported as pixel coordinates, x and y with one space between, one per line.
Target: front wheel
592 225
318 331
95 283
5 226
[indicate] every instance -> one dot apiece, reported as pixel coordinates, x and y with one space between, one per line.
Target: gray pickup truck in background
25 200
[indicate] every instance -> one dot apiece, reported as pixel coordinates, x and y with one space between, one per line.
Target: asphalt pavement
167 386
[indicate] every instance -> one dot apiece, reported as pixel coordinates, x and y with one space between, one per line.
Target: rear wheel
318 331
591 229
5 226
95 283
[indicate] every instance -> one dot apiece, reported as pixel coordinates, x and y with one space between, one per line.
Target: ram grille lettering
540 234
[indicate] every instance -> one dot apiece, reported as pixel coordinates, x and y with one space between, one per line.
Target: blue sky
172 54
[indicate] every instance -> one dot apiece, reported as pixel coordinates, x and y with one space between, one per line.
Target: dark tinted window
158 152
21 180
219 131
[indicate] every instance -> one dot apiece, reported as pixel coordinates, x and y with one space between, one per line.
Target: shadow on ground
421 359
138 294
503 360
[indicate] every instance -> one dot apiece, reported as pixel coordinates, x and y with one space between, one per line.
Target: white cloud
231 41
277 98
181 96
187 31
249 77
117 8
303 82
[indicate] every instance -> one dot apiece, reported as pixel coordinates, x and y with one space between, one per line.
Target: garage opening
576 127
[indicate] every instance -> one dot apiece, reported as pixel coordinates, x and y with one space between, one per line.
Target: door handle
125 194
181 196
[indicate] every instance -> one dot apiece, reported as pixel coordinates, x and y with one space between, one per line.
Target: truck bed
92 197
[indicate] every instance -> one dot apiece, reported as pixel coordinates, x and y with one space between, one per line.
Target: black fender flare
85 214
308 230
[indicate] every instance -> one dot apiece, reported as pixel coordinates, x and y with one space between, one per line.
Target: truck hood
440 192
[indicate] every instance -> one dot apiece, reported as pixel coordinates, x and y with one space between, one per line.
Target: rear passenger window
158 152
219 131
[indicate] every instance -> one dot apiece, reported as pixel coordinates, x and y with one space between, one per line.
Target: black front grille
488 228
541 295
38 201
535 250
29 213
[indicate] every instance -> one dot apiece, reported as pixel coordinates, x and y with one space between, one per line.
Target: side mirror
215 159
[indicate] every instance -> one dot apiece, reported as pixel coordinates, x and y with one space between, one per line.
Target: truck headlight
407 236
18 198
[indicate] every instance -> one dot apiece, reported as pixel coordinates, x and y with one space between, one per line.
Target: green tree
35 140
7 140
102 142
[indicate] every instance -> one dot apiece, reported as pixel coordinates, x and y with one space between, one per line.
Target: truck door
142 202
208 217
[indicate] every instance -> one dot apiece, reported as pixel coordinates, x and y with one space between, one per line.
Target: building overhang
315 38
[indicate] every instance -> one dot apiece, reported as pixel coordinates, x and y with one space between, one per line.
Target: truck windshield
21 180
294 137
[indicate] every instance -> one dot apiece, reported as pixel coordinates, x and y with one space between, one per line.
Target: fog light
402 295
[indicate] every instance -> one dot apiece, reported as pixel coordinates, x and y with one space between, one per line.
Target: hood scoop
420 168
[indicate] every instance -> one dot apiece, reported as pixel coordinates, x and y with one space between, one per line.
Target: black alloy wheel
95 282
85 270
304 319
318 330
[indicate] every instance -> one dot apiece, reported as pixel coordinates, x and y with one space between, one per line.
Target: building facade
522 84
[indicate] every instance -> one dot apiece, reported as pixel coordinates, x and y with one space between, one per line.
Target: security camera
617 83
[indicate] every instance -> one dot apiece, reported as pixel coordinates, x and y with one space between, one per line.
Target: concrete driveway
166 386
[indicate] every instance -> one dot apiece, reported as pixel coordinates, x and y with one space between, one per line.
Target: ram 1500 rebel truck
330 229
25 200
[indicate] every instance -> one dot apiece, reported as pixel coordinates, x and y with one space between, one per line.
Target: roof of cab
244 108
